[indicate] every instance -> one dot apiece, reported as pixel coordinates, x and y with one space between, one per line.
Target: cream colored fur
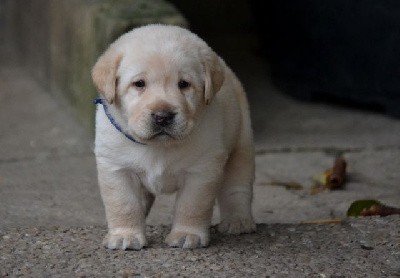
206 155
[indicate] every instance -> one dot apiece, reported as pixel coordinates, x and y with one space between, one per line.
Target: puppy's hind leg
236 193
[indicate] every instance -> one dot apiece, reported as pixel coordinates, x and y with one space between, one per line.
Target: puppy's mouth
161 134
152 133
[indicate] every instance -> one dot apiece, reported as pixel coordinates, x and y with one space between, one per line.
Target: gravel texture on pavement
367 247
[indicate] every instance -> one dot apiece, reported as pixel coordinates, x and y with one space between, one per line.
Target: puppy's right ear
104 74
214 75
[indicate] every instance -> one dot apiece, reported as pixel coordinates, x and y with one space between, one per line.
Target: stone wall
59 41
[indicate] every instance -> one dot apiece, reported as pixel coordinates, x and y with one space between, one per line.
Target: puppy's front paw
237 226
124 239
187 240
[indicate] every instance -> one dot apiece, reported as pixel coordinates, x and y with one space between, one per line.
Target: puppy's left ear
104 74
214 75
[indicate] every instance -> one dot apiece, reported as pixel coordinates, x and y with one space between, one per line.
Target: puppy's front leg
125 211
193 212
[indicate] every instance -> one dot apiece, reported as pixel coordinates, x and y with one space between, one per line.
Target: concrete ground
52 218
356 248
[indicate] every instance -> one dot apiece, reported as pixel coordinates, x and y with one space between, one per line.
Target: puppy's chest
160 180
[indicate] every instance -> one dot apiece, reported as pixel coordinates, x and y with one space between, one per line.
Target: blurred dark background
345 52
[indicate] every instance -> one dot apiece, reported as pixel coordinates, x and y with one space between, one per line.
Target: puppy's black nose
163 118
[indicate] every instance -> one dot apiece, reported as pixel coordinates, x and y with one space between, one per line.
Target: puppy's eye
182 84
139 84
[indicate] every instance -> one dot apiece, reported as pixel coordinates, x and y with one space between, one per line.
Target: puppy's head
160 78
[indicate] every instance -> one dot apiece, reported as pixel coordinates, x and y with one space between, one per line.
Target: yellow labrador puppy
175 118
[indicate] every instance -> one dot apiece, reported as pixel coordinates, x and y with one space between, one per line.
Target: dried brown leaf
287 185
332 178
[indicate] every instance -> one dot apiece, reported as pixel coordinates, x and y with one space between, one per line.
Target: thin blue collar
102 101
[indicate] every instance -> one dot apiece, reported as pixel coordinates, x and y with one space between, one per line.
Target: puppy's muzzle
163 118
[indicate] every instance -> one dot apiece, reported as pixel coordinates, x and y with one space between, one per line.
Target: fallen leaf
357 207
318 188
370 208
322 178
287 185
335 179
332 178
